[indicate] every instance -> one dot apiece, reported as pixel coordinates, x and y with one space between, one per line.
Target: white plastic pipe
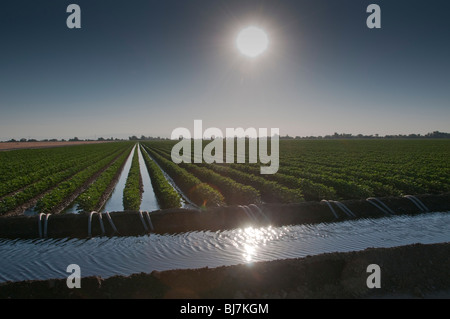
344 208
111 222
331 208
147 215
258 211
143 221
386 208
417 202
90 223
248 212
46 224
384 211
39 224
100 219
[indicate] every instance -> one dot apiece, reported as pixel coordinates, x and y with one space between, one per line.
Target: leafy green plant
132 193
234 193
90 199
200 193
65 189
167 196
84 158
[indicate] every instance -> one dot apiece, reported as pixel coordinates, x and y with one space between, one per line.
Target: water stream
103 256
149 201
115 201
184 200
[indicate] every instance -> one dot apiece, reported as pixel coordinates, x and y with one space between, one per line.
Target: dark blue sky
147 67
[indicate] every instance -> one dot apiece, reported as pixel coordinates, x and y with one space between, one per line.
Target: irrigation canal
27 259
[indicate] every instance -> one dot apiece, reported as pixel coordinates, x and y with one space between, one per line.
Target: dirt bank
9 146
414 271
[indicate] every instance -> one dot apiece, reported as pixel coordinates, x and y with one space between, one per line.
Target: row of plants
21 172
387 167
270 191
23 162
379 183
345 169
317 186
65 189
362 183
234 193
311 191
132 193
197 191
9 203
345 188
167 196
91 199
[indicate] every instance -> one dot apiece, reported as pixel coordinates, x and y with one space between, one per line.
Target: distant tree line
75 139
146 138
435 134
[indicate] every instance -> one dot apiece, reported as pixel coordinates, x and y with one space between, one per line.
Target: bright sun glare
252 41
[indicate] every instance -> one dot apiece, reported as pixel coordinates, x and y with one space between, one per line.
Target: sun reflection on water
251 239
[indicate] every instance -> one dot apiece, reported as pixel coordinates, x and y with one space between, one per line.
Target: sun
252 42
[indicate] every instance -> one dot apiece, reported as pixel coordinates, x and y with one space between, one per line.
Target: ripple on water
105 256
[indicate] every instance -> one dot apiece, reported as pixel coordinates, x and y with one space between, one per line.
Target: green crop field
47 179
51 179
333 169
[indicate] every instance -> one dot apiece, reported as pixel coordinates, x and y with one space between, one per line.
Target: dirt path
9 146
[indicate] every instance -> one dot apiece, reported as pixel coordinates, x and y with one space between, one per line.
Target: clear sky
148 67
